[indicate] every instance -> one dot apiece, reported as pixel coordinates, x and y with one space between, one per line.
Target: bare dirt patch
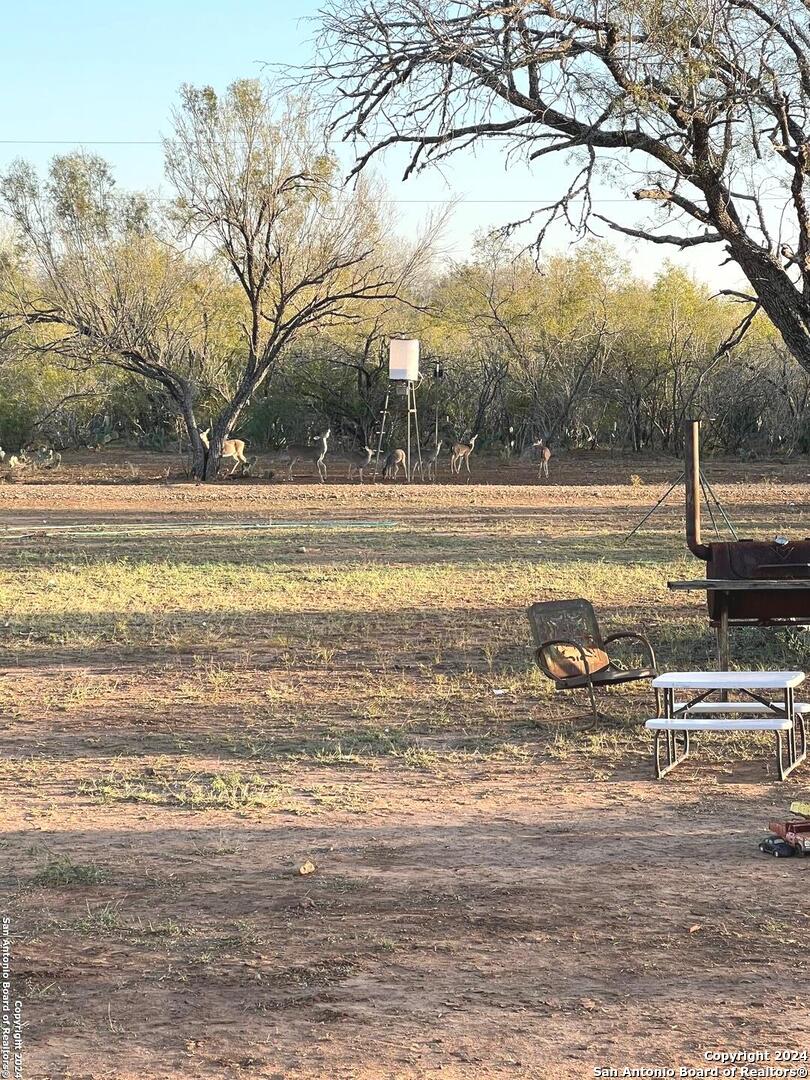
500 889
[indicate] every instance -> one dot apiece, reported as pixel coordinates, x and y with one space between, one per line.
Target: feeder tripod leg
383 419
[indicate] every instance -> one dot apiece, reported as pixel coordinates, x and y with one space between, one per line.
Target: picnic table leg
669 706
800 755
672 757
794 757
722 633
671 740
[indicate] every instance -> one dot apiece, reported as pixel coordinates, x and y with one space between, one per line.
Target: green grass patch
225 791
63 871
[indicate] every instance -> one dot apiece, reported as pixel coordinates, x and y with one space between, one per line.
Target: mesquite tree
260 245
306 252
98 287
708 101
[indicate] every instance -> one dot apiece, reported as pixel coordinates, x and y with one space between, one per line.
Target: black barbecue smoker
748 582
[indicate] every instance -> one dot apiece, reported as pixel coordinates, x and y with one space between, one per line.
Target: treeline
575 350
259 301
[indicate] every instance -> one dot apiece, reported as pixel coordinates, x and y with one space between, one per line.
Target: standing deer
315 452
430 462
359 460
392 463
46 458
460 454
543 457
231 448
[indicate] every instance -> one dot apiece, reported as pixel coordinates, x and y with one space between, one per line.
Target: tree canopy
699 107
260 245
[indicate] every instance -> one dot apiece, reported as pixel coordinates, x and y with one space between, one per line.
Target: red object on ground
795 833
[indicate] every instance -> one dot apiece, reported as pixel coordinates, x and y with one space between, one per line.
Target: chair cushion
608 676
565 662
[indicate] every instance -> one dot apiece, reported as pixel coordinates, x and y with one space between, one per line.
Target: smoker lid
744 559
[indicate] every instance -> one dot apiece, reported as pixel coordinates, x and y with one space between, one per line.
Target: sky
105 77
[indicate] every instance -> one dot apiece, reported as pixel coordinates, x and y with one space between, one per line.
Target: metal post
692 448
408 437
438 375
412 408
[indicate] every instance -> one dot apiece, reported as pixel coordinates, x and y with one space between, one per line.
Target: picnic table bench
784 717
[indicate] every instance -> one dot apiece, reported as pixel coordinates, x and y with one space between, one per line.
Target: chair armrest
629 635
541 662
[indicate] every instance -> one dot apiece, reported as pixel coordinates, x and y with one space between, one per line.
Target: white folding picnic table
758 712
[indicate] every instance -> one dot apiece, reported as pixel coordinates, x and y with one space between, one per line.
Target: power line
80 142
397 202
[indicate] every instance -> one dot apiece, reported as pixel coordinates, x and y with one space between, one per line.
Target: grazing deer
316 452
392 463
460 454
46 458
51 461
359 460
231 448
543 457
430 462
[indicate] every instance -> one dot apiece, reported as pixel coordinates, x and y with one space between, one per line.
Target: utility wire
80 142
398 202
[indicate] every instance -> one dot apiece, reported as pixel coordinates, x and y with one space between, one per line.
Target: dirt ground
492 885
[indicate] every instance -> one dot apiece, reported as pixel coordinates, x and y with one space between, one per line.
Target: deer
45 458
316 452
460 454
359 460
543 456
430 462
392 463
50 460
231 448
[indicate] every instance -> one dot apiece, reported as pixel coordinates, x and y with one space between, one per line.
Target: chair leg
592 696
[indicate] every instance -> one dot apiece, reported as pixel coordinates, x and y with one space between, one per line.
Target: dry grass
190 719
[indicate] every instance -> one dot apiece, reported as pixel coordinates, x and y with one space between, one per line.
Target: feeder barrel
403 359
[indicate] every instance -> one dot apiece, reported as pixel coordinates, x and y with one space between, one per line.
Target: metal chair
571 651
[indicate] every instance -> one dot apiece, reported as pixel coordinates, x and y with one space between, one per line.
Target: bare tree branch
711 102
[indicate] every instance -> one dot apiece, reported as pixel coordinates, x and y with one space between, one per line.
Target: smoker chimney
693 488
